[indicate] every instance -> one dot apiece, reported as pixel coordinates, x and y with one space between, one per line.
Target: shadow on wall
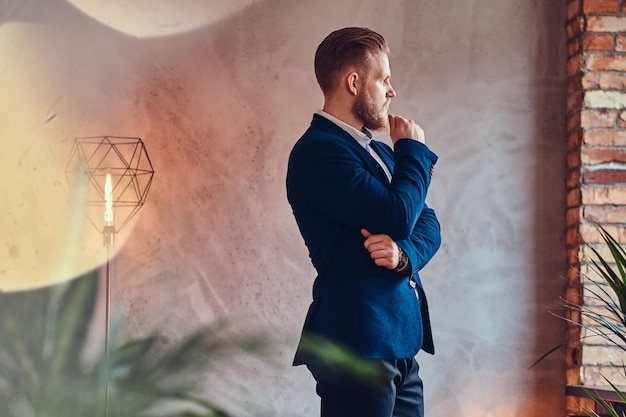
550 207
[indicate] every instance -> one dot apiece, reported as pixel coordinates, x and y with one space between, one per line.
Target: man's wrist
403 260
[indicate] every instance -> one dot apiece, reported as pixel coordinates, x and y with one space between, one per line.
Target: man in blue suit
360 207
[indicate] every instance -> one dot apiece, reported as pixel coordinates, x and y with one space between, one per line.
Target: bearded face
373 116
375 93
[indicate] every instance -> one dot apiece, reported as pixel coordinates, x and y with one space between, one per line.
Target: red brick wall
596 160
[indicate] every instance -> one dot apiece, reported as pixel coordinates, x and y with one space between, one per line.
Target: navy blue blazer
336 188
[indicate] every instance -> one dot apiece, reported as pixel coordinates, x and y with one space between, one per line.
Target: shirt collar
361 137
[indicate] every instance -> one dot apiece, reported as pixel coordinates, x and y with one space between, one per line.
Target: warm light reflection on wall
152 18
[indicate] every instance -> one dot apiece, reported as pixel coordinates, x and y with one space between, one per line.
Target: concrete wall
219 93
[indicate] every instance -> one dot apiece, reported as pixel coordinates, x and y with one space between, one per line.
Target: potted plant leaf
605 315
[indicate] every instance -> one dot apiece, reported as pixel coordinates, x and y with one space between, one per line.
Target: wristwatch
404 260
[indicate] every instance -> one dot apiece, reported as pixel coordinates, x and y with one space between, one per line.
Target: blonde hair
344 48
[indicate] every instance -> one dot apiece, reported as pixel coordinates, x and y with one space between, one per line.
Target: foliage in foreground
43 335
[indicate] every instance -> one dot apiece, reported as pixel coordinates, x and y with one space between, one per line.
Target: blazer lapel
385 154
383 151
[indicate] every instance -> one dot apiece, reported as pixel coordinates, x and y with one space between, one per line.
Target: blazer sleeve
424 241
333 179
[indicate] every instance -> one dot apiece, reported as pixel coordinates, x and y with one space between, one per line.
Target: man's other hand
383 250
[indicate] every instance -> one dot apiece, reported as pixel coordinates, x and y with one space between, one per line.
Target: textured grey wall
220 94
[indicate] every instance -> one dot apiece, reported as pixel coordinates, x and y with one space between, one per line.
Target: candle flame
108 201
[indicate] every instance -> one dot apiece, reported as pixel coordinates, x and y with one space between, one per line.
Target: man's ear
353 83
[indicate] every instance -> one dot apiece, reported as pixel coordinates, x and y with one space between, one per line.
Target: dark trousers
398 392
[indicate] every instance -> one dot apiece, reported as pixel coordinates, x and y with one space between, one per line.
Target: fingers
392 122
401 128
372 240
383 250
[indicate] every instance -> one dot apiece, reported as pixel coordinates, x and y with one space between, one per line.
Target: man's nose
391 92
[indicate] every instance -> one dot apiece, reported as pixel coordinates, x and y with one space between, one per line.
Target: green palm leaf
43 334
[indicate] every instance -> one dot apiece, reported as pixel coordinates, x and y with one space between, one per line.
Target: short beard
366 112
